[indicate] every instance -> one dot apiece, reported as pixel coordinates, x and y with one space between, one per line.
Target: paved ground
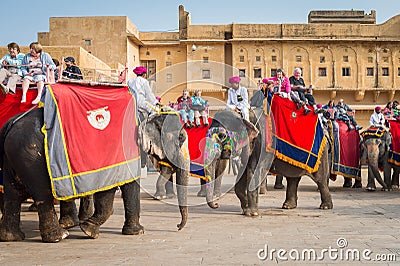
363 219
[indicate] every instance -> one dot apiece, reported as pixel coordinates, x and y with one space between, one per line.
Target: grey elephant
162 138
256 164
376 149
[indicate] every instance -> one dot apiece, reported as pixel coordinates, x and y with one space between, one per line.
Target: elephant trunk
210 173
182 181
373 163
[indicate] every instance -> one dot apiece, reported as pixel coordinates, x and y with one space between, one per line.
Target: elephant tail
3 134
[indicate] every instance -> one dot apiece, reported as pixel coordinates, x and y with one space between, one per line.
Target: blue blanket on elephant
346 150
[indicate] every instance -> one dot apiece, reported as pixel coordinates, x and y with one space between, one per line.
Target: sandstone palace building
344 54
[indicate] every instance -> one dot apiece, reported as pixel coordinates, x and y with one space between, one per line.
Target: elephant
163 139
376 150
258 162
26 175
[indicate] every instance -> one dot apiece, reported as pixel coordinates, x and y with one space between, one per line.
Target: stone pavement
363 220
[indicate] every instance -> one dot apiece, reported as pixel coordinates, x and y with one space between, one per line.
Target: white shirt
143 92
233 101
377 120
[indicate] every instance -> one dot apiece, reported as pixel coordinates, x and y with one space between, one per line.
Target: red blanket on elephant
90 138
346 151
197 142
394 152
299 138
10 104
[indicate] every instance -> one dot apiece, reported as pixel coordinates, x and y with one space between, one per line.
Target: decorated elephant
376 144
164 140
259 160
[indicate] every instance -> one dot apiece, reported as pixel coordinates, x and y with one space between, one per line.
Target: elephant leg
68 214
182 182
103 208
291 193
279 182
1 203
371 179
347 182
165 174
240 191
86 208
169 187
387 171
131 198
202 192
395 178
10 224
326 198
50 229
263 186
357 184
253 181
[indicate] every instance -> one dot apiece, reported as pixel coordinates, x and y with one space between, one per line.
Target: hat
140 70
69 59
319 105
265 80
377 109
158 98
234 79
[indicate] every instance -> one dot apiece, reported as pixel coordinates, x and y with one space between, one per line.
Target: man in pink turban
146 101
377 119
238 98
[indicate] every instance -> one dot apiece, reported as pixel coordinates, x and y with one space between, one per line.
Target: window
258 58
345 58
205 59
398 71
206 73
168 63
242 73
147 53
257 73
88 42
241 58
151 68
385 71
298 58
241 50
169 78
322 59
370 59
345 71
386 59
370 71
168 53
322 71
273 72
273 58
399 60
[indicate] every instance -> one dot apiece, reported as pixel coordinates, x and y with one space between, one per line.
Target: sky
162 15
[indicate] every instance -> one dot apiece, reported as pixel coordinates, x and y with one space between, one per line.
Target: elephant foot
289 205
357 184
54 236
90 229
246 212
347 183
263 190
326 205
159 196
133 230
171 195
395 187
279 186
6 236
370 189
67 222
386 189
202 192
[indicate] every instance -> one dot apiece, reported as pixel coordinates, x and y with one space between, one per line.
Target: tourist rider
238 98
72 71
345 114
377 119
184 109
199 106
298 90
145 98
11 68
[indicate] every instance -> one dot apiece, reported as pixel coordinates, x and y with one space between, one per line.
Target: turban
377 109
234 79
265 80
140 70
319 105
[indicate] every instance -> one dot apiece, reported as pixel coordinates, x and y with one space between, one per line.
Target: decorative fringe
1 189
